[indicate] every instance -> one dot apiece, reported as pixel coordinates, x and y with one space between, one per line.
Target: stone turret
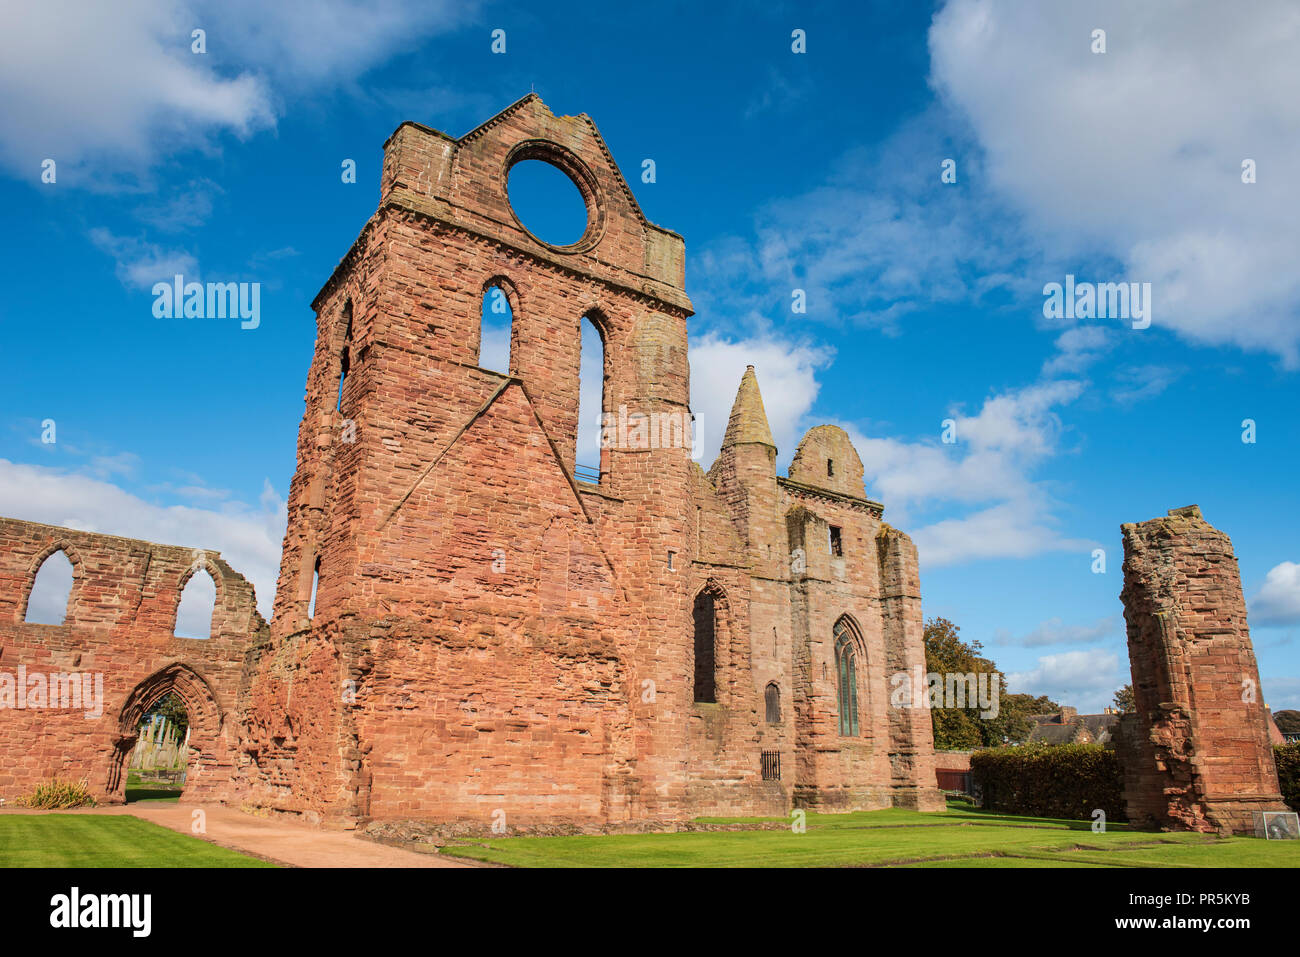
745 475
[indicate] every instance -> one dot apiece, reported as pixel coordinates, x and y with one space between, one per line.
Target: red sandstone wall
515 641
1196 751
121 616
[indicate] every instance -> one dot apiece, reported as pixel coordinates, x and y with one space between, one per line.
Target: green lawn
963 837
138 790
101 840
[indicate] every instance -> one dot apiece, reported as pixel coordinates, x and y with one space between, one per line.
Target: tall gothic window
590 460
846 667
705 649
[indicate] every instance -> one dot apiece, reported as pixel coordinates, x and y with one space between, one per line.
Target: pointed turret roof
748 423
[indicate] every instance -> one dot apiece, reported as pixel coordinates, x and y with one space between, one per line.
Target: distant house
1067 726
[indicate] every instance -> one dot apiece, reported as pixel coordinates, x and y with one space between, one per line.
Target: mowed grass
103 840
960 838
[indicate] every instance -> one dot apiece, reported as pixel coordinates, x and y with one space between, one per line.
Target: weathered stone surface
1195 751
119 628
495 644
523 645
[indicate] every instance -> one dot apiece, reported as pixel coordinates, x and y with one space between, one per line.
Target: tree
963 729
1288 722
1123 700
172 708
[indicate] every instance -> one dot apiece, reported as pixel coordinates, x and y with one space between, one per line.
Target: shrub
1288 773
1062 781
58 795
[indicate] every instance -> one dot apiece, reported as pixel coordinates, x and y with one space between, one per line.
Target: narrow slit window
837 542
345 356
591 460
705 636
315 583
496 330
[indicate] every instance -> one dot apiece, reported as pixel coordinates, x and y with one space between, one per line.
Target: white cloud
110 88
787 378
140 264
248 537
1281 693
879 238
1086 680
1054 631
112 83
1135 383
1078 348
991 464
1278 600
1136 154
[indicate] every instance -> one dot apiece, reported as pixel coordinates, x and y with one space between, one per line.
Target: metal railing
586 473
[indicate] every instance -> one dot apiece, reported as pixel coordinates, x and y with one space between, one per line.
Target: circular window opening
547 202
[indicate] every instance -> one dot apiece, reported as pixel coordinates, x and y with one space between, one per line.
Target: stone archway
205 717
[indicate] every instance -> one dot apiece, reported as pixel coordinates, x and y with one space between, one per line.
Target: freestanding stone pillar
1196 750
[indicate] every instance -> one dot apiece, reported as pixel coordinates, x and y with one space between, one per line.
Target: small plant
59 795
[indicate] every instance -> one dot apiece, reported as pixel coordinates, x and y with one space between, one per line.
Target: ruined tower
1195 750
469 626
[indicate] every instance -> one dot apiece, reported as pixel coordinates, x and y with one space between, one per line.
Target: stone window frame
581 175
598 315
848 638
218 602
721 636
511 290
345 332
74 593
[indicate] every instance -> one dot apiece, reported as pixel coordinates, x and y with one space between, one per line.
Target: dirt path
285 842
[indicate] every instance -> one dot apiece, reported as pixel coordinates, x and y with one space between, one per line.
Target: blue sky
817 171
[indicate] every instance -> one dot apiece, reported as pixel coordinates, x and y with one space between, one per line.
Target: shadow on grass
134 794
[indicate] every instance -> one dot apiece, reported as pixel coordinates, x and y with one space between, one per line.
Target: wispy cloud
1054 631
141 263
111 90
248 536
1189 101
1086 680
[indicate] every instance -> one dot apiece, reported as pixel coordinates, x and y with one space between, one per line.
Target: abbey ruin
490 633
467 626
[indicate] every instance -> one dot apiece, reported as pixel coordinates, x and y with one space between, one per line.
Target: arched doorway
202 738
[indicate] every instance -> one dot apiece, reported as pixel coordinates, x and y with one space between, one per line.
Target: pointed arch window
706 620
51 591
846 668
198 604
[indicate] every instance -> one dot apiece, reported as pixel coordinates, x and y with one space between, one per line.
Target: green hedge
1288 773
1061 781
